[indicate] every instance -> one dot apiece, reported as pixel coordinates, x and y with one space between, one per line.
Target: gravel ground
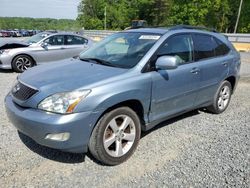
197 149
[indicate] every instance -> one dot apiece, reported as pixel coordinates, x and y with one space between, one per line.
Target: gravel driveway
197 149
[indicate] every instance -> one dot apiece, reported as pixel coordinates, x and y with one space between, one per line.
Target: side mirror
166 62
44 45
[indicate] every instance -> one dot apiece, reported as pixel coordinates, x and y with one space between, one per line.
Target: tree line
218 14
38 24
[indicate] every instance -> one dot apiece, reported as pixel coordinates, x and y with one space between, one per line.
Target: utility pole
105 18
238 17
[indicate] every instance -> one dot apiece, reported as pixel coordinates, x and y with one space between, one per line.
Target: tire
21 63
222 98
115 136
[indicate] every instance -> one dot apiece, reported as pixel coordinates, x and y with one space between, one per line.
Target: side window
221 48
75 40
179 46
55 40
204 46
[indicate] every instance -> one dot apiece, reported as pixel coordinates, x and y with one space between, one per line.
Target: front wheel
116 136
221 98
22 63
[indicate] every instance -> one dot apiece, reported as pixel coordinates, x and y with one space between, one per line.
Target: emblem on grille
16 88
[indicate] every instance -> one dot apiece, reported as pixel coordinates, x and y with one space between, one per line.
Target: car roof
163 30
160 31
65 33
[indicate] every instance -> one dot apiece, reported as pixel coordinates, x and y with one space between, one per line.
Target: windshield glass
123 50
36 38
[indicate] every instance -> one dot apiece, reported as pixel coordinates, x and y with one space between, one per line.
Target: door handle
195 70
225 64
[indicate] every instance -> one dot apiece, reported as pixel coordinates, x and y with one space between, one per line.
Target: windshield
36 38
123 50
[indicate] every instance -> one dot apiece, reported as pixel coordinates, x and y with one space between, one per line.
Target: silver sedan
41 48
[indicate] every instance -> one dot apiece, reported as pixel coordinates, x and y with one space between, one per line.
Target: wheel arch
25 55
134 104
232 81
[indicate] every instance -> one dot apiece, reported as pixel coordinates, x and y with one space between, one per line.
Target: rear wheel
22 63
221 98
116 136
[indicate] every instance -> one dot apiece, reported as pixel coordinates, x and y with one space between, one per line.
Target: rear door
175 91
74 45
208 54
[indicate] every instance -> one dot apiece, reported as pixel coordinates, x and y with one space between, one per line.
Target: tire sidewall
216 106
101 127
14 66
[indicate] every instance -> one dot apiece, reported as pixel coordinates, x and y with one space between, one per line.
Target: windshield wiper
99 61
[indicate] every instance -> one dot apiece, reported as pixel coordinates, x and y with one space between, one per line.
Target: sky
39 8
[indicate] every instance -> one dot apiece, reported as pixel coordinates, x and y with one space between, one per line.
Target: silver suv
129 82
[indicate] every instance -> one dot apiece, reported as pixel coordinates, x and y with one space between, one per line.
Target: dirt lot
197 149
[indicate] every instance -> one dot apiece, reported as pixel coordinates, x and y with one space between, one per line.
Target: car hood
67 75
11 44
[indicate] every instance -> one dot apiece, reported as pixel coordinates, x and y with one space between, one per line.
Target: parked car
42 48
24 33
5 33
129 82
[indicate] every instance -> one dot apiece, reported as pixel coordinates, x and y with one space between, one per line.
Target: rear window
221 49
204 46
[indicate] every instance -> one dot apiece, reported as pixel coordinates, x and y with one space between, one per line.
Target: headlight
63 103
4 51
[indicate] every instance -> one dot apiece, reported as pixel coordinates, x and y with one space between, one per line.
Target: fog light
58 137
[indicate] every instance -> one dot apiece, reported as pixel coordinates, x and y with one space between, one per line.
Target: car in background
5 33
42 48
24 32
14 33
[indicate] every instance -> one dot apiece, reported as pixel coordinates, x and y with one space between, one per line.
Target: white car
41 48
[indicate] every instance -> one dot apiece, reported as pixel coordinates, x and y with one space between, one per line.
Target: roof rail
192 27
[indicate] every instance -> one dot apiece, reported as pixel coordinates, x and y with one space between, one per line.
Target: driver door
174 91
53 50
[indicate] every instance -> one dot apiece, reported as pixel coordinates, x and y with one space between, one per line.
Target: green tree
38 23
244 24
189 12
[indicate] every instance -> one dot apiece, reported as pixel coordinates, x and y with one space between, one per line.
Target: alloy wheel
224 97
23 63
119 136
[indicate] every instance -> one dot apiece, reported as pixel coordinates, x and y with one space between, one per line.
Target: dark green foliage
38 24
218 14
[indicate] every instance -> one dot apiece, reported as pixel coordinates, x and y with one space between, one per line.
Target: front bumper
38 124
2 66
5 61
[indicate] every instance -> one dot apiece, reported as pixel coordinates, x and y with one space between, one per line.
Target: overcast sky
39 8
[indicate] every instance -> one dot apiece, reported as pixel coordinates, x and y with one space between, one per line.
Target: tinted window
204 46
55 40
179 46
221 48
75 40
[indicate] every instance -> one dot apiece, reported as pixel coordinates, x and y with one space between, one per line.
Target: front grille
23 92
